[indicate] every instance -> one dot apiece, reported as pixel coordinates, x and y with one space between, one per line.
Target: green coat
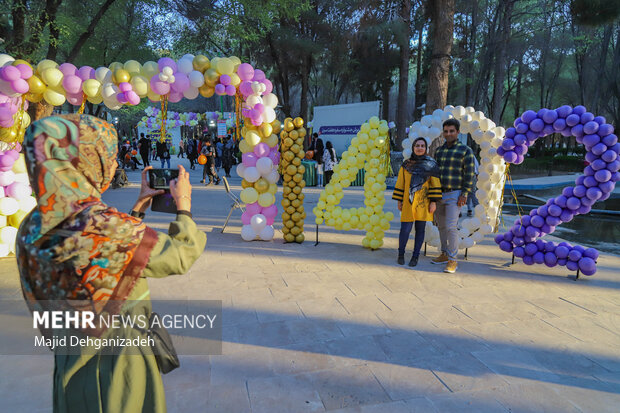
132 383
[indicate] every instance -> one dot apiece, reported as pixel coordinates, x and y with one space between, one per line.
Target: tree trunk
418 76
385 96
39 110
518 93
305 77
75 50
499 70
470 54
282 79
403 80
52 50
442 19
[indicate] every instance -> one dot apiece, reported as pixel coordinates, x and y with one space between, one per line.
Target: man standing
456 173
209 167
145 145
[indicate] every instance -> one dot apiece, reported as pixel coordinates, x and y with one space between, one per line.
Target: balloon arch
125 84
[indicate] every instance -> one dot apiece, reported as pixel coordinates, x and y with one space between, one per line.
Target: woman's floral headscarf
73 247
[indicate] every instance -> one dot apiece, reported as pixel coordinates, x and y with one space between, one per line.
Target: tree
403 79
442 24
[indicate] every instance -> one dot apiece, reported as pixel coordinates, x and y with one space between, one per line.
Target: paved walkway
342 329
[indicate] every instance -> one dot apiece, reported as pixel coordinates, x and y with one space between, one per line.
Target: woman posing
417 191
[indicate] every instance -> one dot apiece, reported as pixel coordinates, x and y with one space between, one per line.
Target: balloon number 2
596 184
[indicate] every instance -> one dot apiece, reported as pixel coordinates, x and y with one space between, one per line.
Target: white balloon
167 70
191 93
103 75
253 100
407 154
437 122
247 233
273 177
448 108
8 235
485 124
434 132
427 121
500 131
110 90
258 222
264 166
477 134
470 109
271 101
269 115
8 206
256 87
406 143
251 174
196 79
468 242
27 204
477 236
412 134
241 170
459 111
112 103
267 233
6 59
422 130
485 145
185 66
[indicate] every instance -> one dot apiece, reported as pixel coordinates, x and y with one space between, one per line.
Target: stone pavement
338 328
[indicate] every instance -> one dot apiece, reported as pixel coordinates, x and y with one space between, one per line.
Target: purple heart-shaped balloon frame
596 184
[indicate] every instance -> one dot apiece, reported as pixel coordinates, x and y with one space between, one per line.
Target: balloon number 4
596 184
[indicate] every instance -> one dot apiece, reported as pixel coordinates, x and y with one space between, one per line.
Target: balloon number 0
596 184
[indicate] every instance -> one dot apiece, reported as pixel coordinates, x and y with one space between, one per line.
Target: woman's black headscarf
421 168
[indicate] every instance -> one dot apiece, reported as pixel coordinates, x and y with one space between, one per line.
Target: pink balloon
275 158
166 61
10 73
159 87
25 70
121 98
268 86
132 97
20 86
245 71
262 149
124 86
257 122
225 80
220 89
259 107
231 90
86 72
249 159
259 75
175 97
67 69
181 82
14 153
246 218
245 112
18 190
74 99
270 212
72 84
246 88
253 208
270 221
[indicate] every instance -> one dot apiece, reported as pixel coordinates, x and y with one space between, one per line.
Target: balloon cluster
260 176
366 151
491 172
16 199
596 184
174 119
292 138
260 103
13 118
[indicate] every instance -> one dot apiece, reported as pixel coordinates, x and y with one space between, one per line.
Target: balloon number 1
596 184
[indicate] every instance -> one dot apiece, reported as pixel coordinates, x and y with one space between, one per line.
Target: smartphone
164 203
160 178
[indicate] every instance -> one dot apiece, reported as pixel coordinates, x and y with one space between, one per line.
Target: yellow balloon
236 61
211 77
52 77
36 85
34 97
46 64
383 129
253 138
201 63
149 69
289 237
266 199
277 126
152 95
132 66
273 189
120 76
246 184
114 66
235 80
298 122
302 132
25 121
265 130
272 141
225 66
140 85
17 218
21 62
374 122
244 147
91 87
54 97
206 91
249 195
261 185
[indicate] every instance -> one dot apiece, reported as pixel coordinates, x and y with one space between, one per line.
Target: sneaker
202 181
442 259
451 266
414 261
401 260
469 213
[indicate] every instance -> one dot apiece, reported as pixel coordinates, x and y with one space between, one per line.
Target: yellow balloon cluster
292 148
367 150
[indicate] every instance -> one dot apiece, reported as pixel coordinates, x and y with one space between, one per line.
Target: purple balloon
566 215
579 191
528 116
531 136
166 61
501 151
550 116
532 232
540 244
541 113
573 203
505 246
572 120
522 128
519 230
547 130
220 89
249 159
574 255
600 120
589 182
537 125
259 75
519 252
511 157
246 218
564 111
605 130
508 236
559 124
519 139
606 187
590 140
539 257
577 131
590 127
550 259
561 251
520 150
599 164
553 221
498 238
555 210
609 156
508 144
579 110
587 264
560 201
568 191
531 249
550 246
527 260
261 149
562 261
586 117
525 220
538 221
510 132
603 175
572 265
86 72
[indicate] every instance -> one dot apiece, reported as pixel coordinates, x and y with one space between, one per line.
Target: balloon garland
491 175
596 184
16 199
293 215
174 119
368 150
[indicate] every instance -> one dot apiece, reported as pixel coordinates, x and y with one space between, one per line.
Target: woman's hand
181 190
146 193
432 207
400 205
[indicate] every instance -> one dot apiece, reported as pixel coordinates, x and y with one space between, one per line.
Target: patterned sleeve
399 188
434 191
469 168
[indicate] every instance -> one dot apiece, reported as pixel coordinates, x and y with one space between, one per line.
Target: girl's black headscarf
421 168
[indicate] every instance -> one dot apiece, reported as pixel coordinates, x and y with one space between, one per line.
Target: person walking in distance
329 161
209 168
456 173
144 145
